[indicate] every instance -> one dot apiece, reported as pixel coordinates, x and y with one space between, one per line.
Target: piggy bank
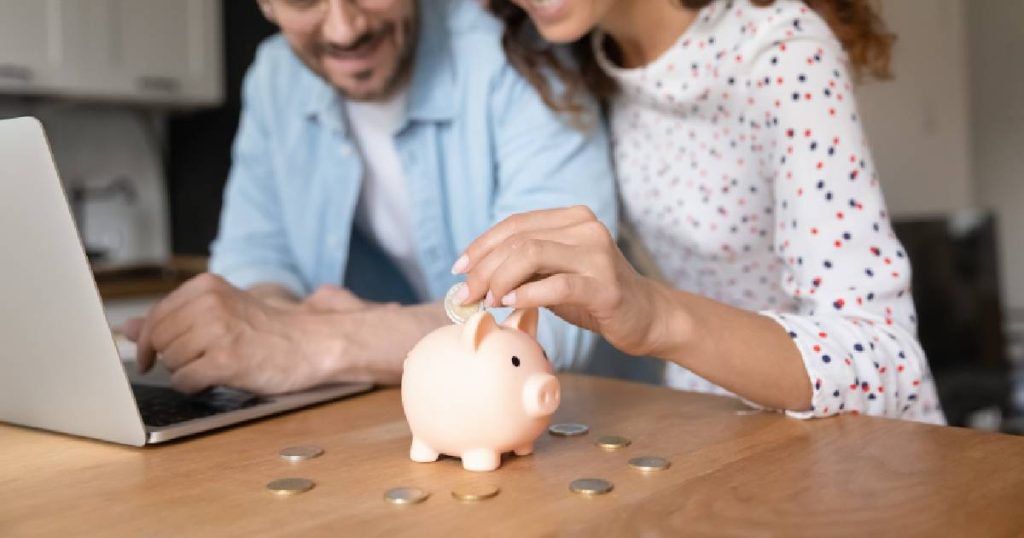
478 390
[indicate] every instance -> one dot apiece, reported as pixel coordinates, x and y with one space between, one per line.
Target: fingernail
461 295
489 299
460 265
509 299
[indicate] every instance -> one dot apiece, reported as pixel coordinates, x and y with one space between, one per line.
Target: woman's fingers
529 248
535 260
563 289
522 223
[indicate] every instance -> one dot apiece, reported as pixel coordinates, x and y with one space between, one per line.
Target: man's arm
252 247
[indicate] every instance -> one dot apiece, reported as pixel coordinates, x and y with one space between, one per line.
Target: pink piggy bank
479 390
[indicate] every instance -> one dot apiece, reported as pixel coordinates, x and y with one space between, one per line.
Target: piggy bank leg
420 452
524 450
480 459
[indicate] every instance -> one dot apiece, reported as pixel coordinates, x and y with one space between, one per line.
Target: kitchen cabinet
145 51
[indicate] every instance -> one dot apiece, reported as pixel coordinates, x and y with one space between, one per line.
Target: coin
459 313
649 464
568 429
405 495
290 486
612 442
300 453
475 492
590 486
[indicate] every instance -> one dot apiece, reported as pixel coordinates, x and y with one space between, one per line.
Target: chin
562 21
563 33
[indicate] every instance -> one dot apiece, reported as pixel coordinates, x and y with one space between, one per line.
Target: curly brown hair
856 23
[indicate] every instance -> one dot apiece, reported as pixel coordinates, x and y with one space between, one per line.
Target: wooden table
732 473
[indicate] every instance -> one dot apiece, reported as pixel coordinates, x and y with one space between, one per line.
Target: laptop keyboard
162 406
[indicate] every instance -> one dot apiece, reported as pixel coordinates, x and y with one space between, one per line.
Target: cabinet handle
159 84
19 73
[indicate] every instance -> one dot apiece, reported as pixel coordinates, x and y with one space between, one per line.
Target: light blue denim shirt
477 145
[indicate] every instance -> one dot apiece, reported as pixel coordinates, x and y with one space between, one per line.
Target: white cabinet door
169 50
28 47
149 51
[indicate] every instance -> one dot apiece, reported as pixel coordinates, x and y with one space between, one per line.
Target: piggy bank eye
515 361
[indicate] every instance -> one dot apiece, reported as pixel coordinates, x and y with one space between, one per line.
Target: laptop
59 364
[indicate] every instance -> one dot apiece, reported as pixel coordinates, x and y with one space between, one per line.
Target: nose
541 395
344 24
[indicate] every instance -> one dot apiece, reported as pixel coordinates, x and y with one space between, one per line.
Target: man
374 134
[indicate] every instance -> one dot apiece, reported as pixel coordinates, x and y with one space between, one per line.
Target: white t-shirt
385 209
743 165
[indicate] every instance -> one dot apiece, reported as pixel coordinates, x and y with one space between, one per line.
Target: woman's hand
567 261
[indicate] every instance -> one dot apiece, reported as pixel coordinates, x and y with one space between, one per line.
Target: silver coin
475 492
569 429
459 314
649 464
588 487
300 453
612 442
290 486
405 495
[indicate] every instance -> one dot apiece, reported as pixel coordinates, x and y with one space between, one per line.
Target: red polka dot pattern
744 167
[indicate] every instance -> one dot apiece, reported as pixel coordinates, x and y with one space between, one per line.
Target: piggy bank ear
476 328
524 320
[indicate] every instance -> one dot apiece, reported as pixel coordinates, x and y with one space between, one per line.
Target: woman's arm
564 259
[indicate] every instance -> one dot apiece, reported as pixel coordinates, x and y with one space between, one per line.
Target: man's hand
209 333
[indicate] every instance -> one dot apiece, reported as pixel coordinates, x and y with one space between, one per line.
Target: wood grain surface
759 474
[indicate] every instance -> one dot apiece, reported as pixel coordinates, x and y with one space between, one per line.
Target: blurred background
140 99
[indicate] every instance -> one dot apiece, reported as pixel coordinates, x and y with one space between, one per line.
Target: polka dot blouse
745 170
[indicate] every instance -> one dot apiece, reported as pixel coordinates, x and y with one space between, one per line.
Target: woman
744 168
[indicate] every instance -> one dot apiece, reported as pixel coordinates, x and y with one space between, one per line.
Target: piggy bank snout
541 395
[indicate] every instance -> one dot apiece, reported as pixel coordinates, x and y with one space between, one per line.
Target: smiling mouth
363 47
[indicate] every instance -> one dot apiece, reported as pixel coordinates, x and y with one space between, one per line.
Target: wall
919 122
93 144
996 39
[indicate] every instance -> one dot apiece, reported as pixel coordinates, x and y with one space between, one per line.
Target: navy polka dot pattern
743 165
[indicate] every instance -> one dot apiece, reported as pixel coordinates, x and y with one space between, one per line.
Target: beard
393 75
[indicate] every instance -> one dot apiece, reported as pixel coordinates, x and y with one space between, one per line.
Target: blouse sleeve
854 323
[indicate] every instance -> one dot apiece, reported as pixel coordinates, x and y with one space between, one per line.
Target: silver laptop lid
59 368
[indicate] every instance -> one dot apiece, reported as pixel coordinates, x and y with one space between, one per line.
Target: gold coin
300 453
405 495
649 464
590 487
612 442
475 492
568 430
290 486
459 313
